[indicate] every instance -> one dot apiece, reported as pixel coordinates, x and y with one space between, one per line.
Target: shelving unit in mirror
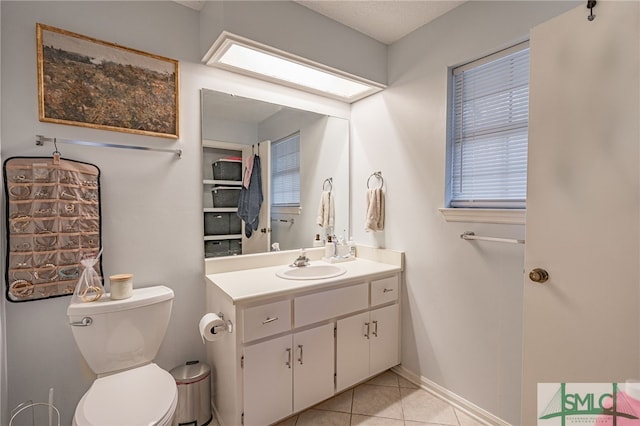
222 179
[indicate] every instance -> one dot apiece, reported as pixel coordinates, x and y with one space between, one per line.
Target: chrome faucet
301 261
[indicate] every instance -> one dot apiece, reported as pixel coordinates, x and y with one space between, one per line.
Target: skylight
250 58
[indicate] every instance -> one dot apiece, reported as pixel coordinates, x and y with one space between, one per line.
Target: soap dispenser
329 248
318 242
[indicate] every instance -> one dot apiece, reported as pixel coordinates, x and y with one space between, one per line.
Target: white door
352 350
313 366
384 347
582 204
268 369
260 240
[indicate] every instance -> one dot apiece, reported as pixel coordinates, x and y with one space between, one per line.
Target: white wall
463 301
4 419
151 202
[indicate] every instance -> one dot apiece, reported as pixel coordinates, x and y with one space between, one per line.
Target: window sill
499 216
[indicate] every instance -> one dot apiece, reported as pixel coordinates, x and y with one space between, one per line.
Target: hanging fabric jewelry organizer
53 222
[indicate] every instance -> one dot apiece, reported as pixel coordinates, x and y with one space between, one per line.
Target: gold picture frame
87 82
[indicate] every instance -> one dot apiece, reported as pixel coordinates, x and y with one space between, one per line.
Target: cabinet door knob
368 329
375 328
538 275
300 358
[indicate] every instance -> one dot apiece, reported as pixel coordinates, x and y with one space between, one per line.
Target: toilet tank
125 333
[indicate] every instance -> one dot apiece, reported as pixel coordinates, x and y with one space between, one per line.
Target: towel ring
327 181
377 175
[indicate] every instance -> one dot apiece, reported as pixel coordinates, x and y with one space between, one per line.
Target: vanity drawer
265 320
329 304
384 290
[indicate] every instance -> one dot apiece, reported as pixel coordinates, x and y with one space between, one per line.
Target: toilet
119 340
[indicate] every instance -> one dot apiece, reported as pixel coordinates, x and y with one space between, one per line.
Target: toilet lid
142 396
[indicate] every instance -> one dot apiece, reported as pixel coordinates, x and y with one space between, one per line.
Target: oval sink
312 272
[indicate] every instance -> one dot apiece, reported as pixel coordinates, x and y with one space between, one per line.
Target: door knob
538 275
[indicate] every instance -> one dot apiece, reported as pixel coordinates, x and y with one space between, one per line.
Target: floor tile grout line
385 385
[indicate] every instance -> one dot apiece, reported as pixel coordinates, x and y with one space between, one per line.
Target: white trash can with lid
194 394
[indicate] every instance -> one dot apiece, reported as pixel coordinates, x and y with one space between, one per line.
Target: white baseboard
458 402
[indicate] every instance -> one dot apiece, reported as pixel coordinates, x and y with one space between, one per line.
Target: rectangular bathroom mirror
234 127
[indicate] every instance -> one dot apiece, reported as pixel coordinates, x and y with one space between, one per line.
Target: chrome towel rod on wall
40 140
472 236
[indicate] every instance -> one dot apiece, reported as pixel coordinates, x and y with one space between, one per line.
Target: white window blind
285 172
490 117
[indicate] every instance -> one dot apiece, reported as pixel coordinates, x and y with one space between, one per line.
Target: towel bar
40 140
472 236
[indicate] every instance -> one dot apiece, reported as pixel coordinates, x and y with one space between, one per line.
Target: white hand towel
374 220
326 211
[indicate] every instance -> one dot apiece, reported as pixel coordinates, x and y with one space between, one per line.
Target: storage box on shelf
221 223
227 169
225 196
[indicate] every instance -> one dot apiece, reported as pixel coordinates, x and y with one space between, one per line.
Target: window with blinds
489 125
285 171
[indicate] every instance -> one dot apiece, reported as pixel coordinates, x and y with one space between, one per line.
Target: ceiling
384 20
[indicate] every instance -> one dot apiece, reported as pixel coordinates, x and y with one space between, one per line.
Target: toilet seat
144 395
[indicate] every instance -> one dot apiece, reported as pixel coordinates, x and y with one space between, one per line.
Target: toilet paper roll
212 328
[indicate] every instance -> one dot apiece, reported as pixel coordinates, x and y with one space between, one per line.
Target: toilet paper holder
228 327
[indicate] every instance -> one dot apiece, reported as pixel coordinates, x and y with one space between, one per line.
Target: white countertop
260 283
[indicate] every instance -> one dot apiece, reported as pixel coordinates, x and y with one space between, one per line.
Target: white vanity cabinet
287 374
369 343
366 344
301 343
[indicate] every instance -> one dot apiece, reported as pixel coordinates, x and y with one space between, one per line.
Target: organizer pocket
45 274
45 259
88 210
45 225
89 225
19 175
69 241
68 257
21 225
44 208
21 260
20 244
45 242
68 208
19 191
89 240
44 192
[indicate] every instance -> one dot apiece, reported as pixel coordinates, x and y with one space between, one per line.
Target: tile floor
385 400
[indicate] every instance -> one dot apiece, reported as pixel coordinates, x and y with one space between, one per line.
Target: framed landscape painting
92 83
